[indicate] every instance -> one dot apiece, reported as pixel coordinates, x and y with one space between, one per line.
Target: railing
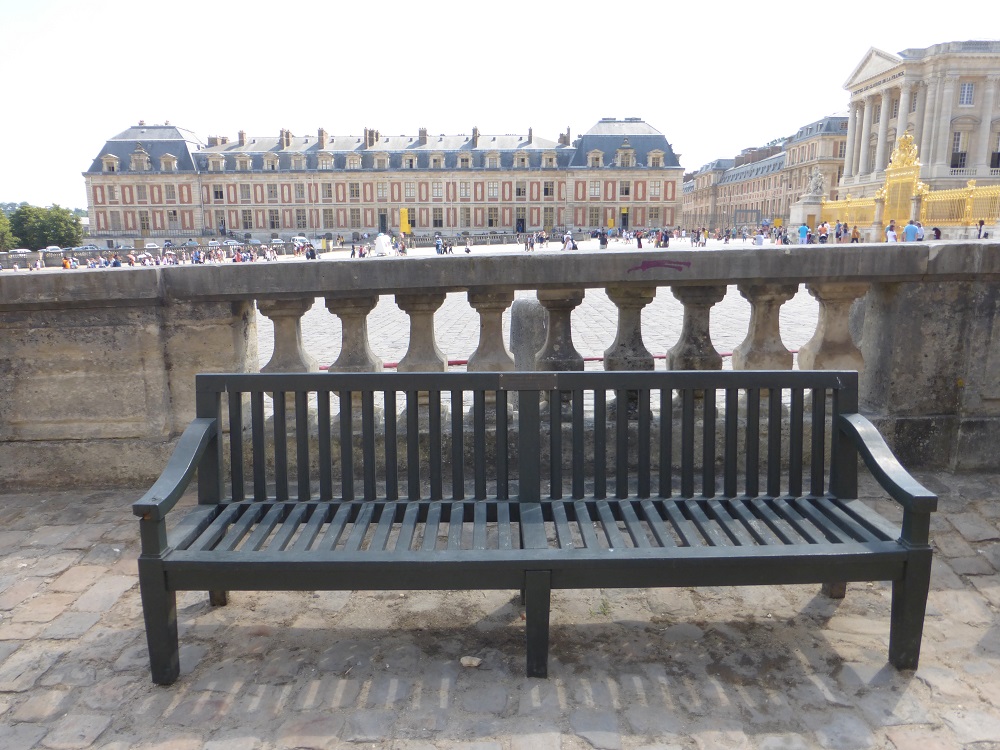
852 211
963 172
98 367
962 206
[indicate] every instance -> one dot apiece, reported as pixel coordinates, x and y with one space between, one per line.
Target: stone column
882 145
492 354
927 128
920 92
558 352
866 134
902 119
355 353
982 159
694 350
831 347
628 352
763 349
289 353
942 156
852 136
422 354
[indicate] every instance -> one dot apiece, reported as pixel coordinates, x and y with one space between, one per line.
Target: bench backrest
325 436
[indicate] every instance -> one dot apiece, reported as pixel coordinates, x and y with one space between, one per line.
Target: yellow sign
624 212
611 223
404 221
779 222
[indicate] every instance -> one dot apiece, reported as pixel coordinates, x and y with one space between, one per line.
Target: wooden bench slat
585 523
762 507
609 525
456 524
830 529
532 522
757 528
408 526
505 536
686 531
480 525
564 535
660 531
709 528
853 525
217 529
335 529
361 523
386 521
431 526
241 527
801 525
634 526
730 524
288 527
317 517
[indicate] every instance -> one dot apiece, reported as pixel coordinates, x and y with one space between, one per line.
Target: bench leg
537 586
909 603
835 590
159 610
218 598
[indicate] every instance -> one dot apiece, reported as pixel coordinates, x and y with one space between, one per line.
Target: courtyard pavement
757 668
762 668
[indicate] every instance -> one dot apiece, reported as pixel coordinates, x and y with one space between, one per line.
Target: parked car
213 243
151 246
168 243
190 243
277 241
52 249
232 243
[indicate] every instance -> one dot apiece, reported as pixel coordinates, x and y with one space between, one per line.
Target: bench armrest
174 479
884 466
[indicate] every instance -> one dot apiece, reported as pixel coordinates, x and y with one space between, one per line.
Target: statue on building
815 183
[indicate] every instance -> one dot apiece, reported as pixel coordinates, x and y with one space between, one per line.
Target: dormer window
140 160
595 158
216 164
168 163
493 161
655 159
521 162
354 162
243 164
382 162
298 162
409 162
549 161
271 163
465 162
110 163
325 161
437 161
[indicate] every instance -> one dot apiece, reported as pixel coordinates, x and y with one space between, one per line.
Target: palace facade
162 181
945 95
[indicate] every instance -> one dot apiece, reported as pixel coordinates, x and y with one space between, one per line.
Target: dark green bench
409 488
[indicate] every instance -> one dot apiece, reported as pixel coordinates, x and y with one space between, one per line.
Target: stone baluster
628 352
355 353
289 354
763 349
422 354
558 352
492 354
694 349
831 347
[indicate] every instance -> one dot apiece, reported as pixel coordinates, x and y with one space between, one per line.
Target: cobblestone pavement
756 668
594 321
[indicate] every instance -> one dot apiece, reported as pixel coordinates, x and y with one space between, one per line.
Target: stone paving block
599 728
103 595
42 608
317 731
22 736
19 592
245 742
78 578
43 706
76 731
70 625
973 725
367 725
21 669
973 527
921 736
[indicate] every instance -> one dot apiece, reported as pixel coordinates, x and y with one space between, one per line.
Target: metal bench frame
749 494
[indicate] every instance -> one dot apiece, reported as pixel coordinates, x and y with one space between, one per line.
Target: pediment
873 64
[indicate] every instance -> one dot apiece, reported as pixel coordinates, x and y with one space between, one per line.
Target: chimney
213 140
423 137
223 140
243 138
475 137
322 138
530 134
288 139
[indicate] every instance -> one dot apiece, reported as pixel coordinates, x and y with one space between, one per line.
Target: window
959 149
243 164
520 189
116 221
595 160
325 162
437 162
876 115
521 162
172 220
493 216
272 192
464 189
995 156
300 218
170 192
144 221
273 218
354 162
271 163
595 189
548 188
465 162
382 191
410 190
110 163
492 189
493 162
438 218
140 163
624 188
141 193
112 193
656 161
654 189
355 218
246 218
217 193
594 216
300 191
168 163
413 217
215 165
841 149
967 95
548 217
654 217
327 189
354 189
626 159
410 162
298 162
327 218
244 191
549 162
913 108
465 217
437 190
895 109
382 163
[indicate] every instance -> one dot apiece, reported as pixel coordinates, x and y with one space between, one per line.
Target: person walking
855 234
910 232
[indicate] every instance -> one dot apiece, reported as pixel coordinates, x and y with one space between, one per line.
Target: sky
714 78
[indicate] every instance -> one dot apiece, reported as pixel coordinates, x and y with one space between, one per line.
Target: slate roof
609 134
156 140
760 168
831 125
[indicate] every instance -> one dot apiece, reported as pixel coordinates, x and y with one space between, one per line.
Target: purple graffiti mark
675 265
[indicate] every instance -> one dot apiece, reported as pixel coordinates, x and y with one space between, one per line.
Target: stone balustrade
97 368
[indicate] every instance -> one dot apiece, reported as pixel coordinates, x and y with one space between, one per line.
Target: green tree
7 239
8 208
40 227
